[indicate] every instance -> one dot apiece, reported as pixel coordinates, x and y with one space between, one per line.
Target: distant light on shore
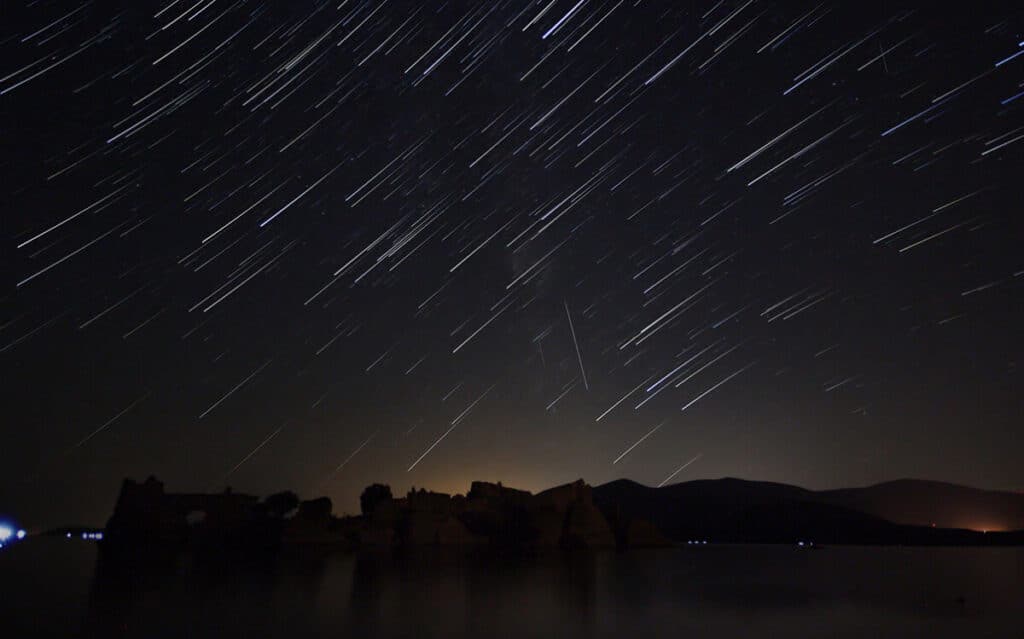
9 535
987 527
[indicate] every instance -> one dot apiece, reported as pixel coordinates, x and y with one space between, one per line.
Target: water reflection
710 592
458 594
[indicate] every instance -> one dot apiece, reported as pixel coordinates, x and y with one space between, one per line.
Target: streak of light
679 470
639 441
577 345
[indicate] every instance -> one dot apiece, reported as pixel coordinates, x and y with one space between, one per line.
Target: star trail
444 241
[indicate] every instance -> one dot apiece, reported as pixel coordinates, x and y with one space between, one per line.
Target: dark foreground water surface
57 588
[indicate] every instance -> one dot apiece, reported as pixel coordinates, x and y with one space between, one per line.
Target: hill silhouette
923 503
737 510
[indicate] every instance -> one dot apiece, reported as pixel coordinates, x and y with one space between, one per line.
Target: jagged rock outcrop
586 527
421 528
313 523
489 513
583 525
145 513
563 516
497 513
373 495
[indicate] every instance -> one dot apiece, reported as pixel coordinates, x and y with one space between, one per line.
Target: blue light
20 534
6 533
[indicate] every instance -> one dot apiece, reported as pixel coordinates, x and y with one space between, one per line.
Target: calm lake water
55 588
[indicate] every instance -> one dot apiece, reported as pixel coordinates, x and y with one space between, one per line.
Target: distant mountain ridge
923 502
741 510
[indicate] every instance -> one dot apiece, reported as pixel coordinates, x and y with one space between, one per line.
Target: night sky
315 245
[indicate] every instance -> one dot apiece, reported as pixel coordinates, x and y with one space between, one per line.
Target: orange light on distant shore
987 527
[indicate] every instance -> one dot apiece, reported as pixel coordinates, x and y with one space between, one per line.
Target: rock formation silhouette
489 514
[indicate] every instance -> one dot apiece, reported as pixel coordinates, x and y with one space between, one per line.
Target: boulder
548 526
586 527
424 529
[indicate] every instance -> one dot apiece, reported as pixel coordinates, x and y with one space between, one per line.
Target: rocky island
489 514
